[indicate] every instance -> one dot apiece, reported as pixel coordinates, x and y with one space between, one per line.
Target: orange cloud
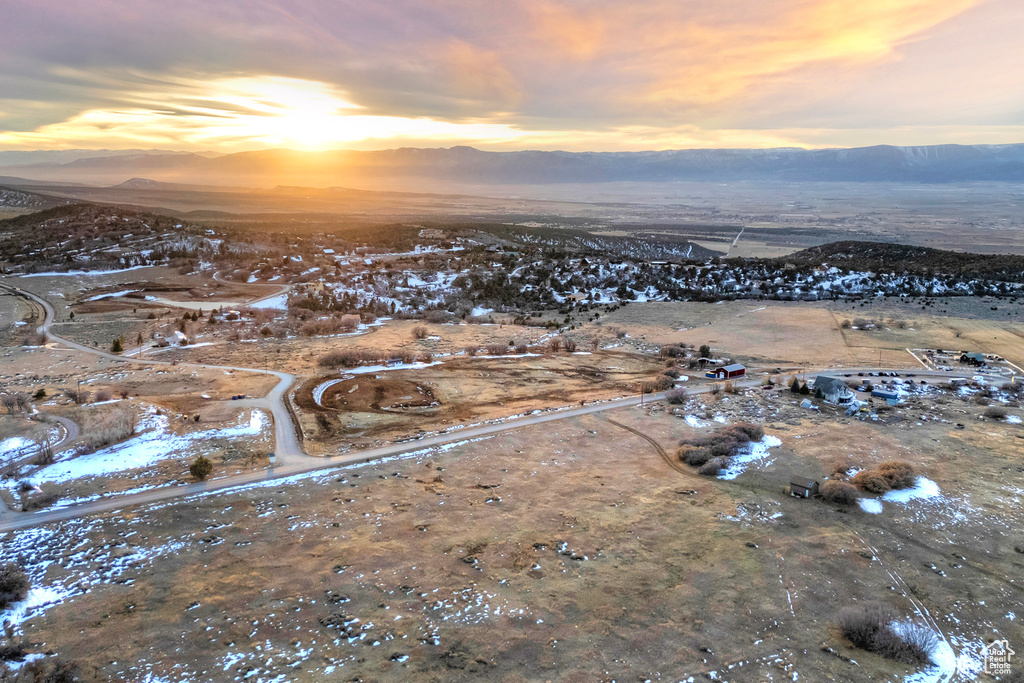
714 62
579 33
478 74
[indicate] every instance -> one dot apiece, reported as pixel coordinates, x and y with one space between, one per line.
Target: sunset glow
534 73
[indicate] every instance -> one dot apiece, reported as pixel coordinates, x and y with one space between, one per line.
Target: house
976 359
832 390
802 487
727 372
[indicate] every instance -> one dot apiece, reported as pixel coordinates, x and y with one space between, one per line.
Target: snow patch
870 505
754 451
922 488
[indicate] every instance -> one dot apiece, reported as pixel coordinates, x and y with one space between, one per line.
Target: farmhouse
976 359
832 390
727 372
802 487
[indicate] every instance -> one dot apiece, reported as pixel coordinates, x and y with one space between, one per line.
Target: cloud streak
570 74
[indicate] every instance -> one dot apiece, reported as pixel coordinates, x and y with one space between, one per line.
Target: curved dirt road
292 460
286 440
210 305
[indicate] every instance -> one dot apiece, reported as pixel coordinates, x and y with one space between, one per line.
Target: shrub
39 501
102 395
676 396
871 481
345 359
521 348
419 332
712 467
555 344
321 327
107 425
899 475
694 456
349 322
672 372
45 455
840 465
117 346
201 468
497 349
472 349
40 394
753 432
664 382
569 345
34 339
14 584
839 492
995 412
872 626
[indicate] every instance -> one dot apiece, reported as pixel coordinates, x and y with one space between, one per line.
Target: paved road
292 460
309 464
287 447
71 431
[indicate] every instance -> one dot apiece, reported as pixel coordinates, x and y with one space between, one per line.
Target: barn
727 372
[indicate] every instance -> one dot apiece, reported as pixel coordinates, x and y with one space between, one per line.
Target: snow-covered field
153 443
279 302
754 452
14 445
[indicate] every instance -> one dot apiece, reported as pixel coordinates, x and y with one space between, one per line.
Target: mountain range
393 168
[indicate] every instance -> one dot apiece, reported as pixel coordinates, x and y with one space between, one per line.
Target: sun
278 110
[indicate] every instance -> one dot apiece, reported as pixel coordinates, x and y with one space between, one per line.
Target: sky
578 75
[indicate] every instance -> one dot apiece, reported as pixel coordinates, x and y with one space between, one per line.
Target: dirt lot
568 552
394 404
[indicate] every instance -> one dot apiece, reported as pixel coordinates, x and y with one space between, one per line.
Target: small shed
727 372
803 487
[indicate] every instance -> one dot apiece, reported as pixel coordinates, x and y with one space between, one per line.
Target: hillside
885 257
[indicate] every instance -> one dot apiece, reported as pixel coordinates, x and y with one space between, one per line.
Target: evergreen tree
201 468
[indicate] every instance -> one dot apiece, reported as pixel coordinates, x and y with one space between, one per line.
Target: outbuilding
888 395
802 487
974 358
727 372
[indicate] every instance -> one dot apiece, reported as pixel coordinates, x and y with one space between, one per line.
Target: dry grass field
563 552
812 334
